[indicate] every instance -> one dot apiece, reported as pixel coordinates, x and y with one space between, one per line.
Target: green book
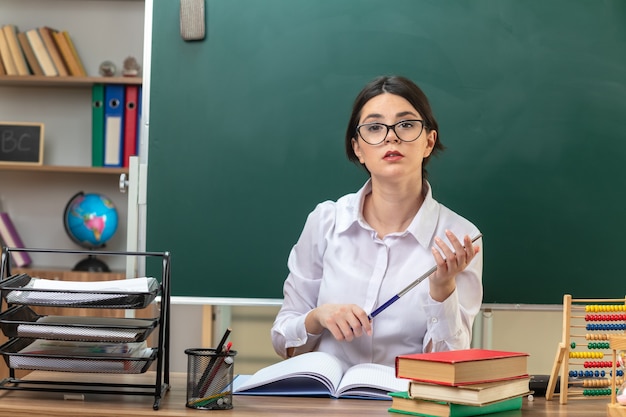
97 125
403 404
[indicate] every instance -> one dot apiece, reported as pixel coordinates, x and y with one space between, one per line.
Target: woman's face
393 158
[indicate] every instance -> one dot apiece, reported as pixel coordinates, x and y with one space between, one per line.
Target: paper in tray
18 355
21 321
125 293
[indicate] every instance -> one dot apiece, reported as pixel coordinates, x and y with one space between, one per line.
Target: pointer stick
409 288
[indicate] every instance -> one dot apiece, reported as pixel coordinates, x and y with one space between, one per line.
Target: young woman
356 253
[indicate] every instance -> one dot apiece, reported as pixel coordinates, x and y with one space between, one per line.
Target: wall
535 332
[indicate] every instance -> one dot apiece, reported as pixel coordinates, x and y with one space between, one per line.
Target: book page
315 366
371 380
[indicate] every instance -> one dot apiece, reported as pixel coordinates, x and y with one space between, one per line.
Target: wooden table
46 404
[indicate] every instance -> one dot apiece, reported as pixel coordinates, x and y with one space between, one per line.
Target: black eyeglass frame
390 127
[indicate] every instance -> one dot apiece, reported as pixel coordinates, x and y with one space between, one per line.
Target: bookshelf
36 196
65 82
64 169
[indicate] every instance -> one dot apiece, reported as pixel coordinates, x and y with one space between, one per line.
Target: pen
207 371
211 379
219 381
409 288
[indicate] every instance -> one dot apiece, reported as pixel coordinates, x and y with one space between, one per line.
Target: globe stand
91 264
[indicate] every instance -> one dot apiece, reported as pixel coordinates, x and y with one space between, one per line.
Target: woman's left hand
450 261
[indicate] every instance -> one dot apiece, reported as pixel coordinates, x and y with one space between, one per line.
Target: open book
319 374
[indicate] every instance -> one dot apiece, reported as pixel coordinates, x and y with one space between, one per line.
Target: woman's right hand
344 321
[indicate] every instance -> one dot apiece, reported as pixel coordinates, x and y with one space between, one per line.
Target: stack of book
459 383
39 51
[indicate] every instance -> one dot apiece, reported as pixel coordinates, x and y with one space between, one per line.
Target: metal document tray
17 290
22 321
73 363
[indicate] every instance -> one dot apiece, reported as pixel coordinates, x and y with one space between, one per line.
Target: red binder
130 123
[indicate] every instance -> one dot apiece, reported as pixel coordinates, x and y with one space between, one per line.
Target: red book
130 123
462 367
12 239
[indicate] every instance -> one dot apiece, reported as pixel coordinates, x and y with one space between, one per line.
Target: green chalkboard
246 133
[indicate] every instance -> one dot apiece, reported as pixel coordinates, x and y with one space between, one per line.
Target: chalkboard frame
31 158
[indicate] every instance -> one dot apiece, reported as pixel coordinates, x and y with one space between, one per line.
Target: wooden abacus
592 321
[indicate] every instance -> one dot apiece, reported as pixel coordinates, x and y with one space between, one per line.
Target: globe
90 220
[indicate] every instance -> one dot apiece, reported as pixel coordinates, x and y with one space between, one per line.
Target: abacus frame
613 409
563 360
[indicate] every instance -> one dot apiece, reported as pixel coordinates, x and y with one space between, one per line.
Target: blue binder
113 125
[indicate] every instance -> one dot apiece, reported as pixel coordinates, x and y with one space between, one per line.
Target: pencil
216 368
207 371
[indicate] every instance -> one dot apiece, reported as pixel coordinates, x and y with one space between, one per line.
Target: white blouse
340 259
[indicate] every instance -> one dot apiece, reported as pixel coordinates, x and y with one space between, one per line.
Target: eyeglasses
405 130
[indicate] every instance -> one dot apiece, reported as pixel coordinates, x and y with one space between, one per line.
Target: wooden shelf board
42 81
63 169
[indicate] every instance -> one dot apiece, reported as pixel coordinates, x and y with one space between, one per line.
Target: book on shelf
10 33
31 59
403 404
5 55
43 57
472 394
465 366
319 374
12 239
48 40
70 60
82 70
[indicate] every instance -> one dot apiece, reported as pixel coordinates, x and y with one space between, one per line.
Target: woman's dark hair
399 86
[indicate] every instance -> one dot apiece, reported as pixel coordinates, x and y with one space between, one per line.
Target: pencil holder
210 379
